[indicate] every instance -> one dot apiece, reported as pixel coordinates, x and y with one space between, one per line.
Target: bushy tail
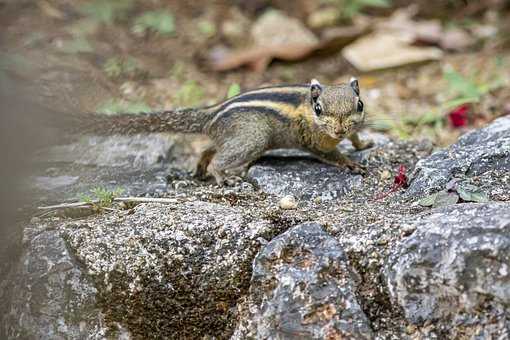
185 120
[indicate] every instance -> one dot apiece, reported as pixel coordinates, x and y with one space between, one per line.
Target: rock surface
475 154
138 151
52 297
170 271
303 178
303 287
184 269
293 172
457 261
137 164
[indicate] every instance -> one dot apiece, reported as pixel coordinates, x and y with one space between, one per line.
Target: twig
68 205
145 199
116 199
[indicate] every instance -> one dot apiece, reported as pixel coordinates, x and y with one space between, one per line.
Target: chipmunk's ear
315 90
354 84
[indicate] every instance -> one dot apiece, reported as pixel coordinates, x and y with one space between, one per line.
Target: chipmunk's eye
360 106
318 109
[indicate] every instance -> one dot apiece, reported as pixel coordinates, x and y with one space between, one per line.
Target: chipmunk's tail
183 120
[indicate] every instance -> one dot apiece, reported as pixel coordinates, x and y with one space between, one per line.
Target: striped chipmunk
311 117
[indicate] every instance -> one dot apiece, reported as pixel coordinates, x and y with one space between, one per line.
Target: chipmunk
312 117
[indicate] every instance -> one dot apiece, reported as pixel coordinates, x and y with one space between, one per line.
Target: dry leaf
383 50
402 24
456 39
279 37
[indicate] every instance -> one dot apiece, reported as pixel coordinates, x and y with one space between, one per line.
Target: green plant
178 71
453 193
77 45
117 67
83 28
161 22
114 106
350 8
207 28
463 90
101 197
190 94
107 11
233 90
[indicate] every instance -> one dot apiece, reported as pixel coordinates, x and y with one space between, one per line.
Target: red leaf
459 116
399 181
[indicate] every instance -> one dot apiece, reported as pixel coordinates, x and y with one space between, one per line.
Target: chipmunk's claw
232 181
357 168
366 145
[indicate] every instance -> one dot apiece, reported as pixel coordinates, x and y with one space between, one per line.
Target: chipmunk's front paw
200 174
232 181
368 144
357 168
365 145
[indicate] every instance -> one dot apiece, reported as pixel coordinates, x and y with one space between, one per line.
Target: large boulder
303 287
47 294
170 271
456 262
183 269
293 172
478 153
303 178
138 151
136 164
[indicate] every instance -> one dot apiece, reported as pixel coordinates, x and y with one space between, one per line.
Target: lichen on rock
303 287
456 264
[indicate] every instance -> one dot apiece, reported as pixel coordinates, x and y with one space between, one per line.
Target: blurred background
427 69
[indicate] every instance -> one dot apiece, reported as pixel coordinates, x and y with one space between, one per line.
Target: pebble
288 202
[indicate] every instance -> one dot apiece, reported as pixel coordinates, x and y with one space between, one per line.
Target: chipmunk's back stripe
291 94
282 109
290 86
254 110
292 98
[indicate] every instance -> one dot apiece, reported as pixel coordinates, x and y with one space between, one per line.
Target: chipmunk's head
337 109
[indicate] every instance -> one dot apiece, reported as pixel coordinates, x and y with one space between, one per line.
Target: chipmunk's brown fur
311 117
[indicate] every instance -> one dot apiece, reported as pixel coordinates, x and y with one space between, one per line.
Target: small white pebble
288 202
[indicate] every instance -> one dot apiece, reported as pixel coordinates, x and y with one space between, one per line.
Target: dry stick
116 199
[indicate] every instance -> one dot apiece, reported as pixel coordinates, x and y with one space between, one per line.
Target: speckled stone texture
172 270
184 269
457 262
49 296
138 164
303 288
477 153
293 172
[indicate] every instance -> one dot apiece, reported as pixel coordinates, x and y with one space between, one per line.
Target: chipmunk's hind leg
236 153
205 159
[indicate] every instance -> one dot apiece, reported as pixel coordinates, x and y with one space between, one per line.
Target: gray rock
303 287
170 271
476 153
293 172
305 179
138 151
457 261
46 295
137 164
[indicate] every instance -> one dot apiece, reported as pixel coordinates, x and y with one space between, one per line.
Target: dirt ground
76 56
